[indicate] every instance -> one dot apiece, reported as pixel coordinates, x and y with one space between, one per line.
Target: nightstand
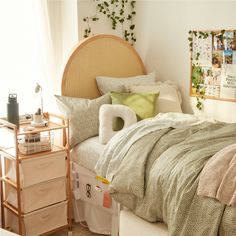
35 177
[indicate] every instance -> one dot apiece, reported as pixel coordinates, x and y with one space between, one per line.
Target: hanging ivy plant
118 12
196 69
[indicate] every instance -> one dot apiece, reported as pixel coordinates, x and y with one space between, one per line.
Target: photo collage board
213 62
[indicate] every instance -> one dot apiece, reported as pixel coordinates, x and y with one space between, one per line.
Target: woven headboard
101 55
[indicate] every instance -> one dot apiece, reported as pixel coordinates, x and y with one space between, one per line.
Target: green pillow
143 104
83 115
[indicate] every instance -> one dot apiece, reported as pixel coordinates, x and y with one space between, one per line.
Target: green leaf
129 17
190 39
222 31
132 27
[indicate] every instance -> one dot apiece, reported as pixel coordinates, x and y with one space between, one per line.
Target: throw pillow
169 99
107 114
143 104
108 84
83 115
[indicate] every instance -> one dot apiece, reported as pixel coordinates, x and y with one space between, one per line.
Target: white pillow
83 115
169 99
109 84
107 114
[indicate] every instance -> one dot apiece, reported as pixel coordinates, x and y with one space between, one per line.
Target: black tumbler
13 109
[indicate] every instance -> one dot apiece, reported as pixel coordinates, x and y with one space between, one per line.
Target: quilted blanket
154 166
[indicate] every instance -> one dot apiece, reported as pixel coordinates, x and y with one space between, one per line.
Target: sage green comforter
154 169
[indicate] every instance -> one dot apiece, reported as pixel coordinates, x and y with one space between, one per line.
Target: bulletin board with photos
213 64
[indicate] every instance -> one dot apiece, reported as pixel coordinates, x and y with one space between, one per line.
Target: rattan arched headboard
106 55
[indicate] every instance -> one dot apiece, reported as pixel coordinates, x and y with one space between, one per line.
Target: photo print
216 72
228 40
218 43
234 57
207 75
228 57
202 46
217 59
234 41
212 81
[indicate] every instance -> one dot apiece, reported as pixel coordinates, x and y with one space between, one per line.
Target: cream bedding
87 153
154 169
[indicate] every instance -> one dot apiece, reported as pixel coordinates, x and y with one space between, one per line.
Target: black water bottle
13 109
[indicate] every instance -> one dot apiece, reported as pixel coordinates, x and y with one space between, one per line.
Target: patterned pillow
83 115
108 84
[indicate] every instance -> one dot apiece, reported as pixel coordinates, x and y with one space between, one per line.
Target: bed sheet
86 154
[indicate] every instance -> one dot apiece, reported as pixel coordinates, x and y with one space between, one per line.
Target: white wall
162 32
63 23
63 19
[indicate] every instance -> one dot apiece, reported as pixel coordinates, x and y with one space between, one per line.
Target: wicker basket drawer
40 221
38 195
40 169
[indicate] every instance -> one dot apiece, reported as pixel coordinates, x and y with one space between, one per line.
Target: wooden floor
77 230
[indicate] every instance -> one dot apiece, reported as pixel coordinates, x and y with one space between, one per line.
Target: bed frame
105 55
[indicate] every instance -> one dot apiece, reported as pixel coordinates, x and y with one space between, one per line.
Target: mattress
132 225
86 154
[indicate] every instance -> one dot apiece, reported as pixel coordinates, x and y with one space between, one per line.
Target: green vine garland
118 12
195 66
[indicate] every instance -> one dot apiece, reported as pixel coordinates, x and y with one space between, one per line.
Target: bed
110 56
100 55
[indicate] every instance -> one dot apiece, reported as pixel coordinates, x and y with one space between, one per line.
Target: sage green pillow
143 104
83 115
